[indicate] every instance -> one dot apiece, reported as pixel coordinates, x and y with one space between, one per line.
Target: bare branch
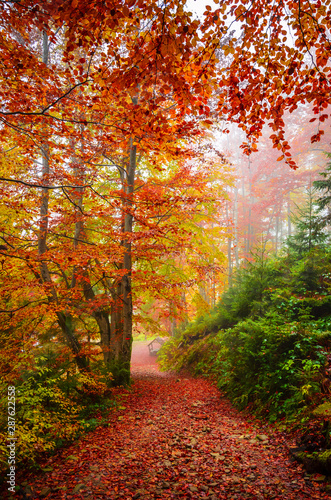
72 238
40 186
71 201
12 311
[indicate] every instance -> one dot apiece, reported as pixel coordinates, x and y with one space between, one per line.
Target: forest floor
174 437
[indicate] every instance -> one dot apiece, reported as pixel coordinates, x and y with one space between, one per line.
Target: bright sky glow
198 7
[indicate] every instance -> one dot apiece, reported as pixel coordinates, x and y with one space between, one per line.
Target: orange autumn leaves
116 95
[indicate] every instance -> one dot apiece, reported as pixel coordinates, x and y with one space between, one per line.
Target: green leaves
266 342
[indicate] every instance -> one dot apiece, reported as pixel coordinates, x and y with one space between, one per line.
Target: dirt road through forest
174 437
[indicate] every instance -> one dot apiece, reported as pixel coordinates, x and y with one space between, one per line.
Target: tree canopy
114 194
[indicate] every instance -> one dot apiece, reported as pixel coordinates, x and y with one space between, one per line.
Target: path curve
174 437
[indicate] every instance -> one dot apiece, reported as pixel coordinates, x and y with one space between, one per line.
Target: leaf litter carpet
174 437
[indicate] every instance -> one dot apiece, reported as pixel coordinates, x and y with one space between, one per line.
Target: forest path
174 437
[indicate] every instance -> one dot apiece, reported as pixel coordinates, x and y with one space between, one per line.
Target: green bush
267 341
273 366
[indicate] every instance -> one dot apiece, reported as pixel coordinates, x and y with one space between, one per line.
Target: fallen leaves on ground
174 438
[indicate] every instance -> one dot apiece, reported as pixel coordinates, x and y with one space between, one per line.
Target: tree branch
40 186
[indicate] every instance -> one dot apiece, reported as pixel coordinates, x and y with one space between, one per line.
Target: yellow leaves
207 123
262 60
228 50
240 11
72 457
74 4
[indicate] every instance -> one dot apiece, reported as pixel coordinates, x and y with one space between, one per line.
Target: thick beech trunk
123 321
101 316
116 339
66 323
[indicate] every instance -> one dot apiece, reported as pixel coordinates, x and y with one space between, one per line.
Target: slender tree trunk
42 239
243 194
101 315
64 319
229 251
236 250
289 228
249 228
277 234
184 305
125 352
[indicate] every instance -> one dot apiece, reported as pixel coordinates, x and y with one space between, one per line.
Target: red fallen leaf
141 462
201 416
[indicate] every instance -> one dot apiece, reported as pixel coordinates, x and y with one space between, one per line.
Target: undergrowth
52 409
267 342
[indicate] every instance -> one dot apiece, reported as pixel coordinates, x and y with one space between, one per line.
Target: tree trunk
101 315
124 356
120 332
66 323
236 242
229 250
250 202
64 319
289 228
277 235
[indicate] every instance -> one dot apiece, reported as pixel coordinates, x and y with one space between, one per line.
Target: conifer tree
324 186
309 228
